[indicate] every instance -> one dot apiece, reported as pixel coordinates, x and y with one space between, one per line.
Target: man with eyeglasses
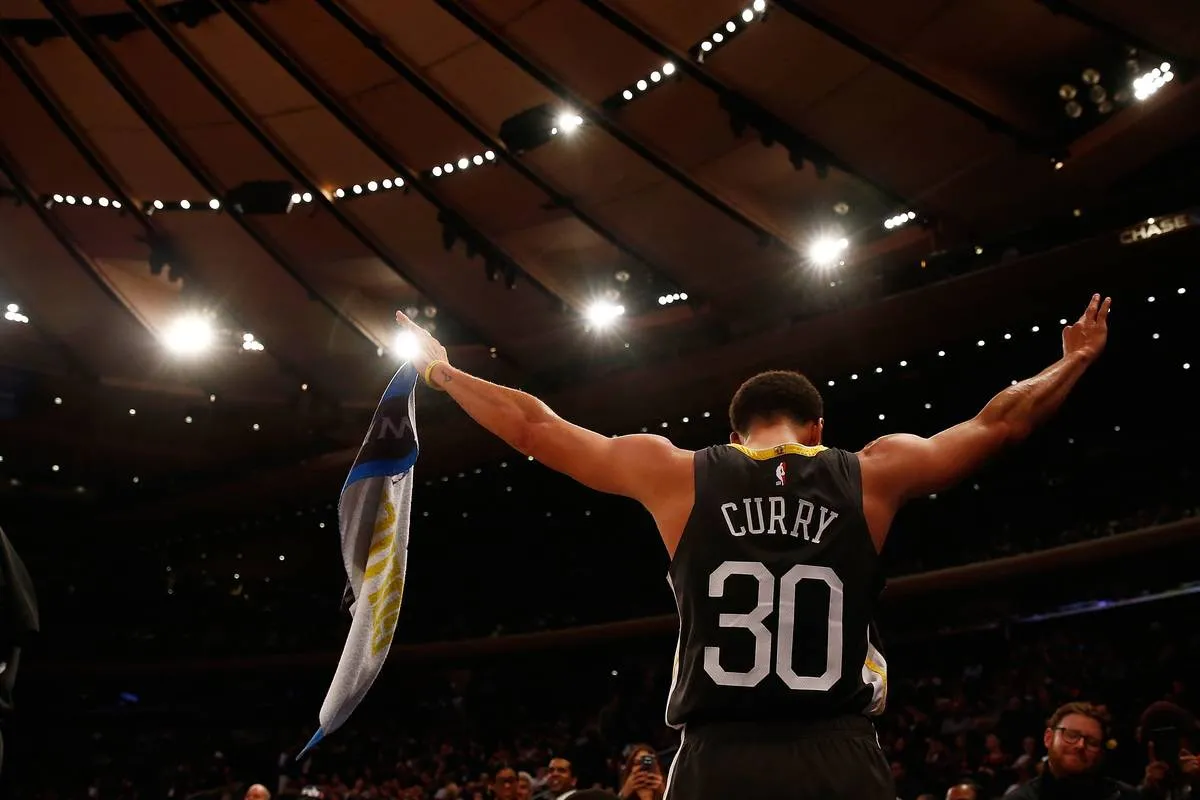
1074 738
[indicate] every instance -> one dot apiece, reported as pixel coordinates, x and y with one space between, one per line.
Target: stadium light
189 335
826 250
602 313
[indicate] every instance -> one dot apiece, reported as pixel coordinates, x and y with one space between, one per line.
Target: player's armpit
902 466
641 466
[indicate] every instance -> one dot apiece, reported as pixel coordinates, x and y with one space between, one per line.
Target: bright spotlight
569 121
603 313
13 314
406 345
189 335
826 250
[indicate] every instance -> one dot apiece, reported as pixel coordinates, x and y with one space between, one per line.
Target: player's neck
767 436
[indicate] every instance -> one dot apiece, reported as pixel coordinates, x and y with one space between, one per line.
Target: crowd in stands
190 602
973 708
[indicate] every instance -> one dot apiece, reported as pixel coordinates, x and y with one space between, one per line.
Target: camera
647 762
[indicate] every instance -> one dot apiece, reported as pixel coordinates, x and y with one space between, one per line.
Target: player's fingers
1104 307
1093 306
403 321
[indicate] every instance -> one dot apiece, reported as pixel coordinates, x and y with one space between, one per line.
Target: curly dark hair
769 396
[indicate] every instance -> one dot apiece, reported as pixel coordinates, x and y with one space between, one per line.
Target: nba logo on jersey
781 474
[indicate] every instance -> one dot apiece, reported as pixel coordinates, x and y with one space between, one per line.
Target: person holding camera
641 777
1173 772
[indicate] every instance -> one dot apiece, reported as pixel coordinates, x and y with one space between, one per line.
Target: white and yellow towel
373 518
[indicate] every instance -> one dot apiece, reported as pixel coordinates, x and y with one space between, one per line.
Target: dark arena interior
210 211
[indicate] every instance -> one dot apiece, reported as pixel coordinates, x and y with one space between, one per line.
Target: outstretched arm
901 466
646 468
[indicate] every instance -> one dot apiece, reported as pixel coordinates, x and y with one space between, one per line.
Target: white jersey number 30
785 604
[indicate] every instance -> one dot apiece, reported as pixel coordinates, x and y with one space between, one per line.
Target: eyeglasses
1071 736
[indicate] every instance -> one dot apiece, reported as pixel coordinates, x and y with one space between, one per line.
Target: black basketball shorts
821 760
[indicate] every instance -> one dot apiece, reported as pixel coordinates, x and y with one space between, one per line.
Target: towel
373 519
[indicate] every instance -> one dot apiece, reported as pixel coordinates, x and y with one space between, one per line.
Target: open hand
424 348
1089 334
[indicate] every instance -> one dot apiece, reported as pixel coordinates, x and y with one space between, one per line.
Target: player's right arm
899 467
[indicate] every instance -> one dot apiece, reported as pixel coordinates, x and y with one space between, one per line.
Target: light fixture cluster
1143 83
12 313
566 123
463 163
69 199
356 190
903 218
603 313
195 333
668 299
825 250
729 30
1150 82
644 84
373 186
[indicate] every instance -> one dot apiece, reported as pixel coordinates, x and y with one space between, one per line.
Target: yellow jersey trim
779 450
878 670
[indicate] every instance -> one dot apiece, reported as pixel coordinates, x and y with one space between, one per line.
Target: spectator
1075 736
641 777
560 779
524 786
258 792
504 787
1173 772
964 791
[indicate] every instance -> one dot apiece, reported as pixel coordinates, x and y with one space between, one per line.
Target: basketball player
774 543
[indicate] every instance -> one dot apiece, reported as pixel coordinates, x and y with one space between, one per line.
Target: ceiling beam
767 234
376 44
25 195
810 148
207 77
992 121
1112 30
70 128
124 85
353 122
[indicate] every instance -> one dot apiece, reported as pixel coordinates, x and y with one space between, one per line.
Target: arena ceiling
296 170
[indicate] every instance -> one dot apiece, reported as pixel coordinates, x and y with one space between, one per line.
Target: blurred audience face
1074 746
258 792
560 778
524 786
505 785
963 791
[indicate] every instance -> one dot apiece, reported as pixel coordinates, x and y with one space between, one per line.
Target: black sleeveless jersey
776 579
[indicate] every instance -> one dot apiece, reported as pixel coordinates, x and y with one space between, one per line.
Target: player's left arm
646 468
